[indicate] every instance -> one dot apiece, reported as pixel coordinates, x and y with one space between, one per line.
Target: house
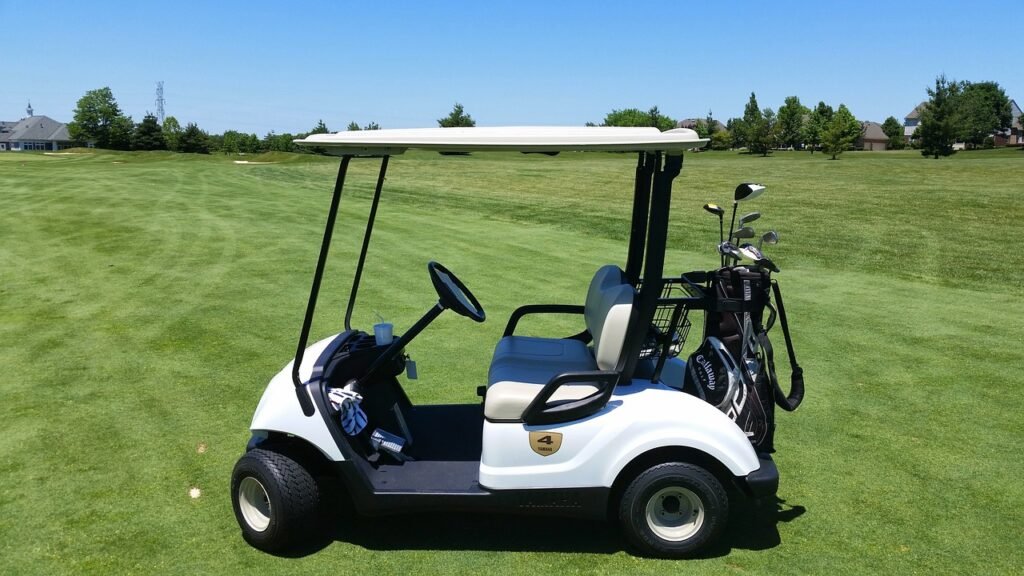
34 133
872 137
1014 136
691 123
911 121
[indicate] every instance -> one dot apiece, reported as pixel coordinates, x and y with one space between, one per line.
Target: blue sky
260 66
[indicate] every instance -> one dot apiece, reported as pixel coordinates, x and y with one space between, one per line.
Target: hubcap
254 503
675 513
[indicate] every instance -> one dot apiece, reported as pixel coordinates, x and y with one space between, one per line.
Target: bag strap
796 386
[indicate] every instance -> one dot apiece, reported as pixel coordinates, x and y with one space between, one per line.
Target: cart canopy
539 139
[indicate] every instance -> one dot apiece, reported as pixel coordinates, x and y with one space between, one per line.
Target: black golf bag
734 367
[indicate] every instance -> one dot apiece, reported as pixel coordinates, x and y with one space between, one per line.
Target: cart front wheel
673 510
275 500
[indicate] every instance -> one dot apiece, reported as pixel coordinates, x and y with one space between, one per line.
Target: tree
279 142
707 127
981 109
721 140
372 126
938 128
743 128
762 133
637 118
353 126
120 133
172 132
231 142
894 130
251 144
816 125
457 118
148 135
320 128
841 132
792 116
735 128
194 140
98 119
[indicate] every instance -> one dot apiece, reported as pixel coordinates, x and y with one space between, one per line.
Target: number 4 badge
545 443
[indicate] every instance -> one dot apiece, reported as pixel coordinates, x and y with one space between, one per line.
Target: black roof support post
366 243
645 167
654 264
314 291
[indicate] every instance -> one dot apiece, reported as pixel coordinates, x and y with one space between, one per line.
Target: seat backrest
609 305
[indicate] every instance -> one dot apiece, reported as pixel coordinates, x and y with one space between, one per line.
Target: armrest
540 411
513 320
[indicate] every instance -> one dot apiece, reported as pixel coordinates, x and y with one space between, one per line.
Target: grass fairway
146 298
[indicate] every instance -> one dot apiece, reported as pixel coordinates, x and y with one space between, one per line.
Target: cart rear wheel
673 510
275 500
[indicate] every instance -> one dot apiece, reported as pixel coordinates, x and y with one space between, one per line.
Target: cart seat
522 365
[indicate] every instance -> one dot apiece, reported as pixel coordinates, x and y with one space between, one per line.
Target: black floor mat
450 432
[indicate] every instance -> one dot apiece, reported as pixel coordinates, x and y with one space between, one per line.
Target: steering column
451 293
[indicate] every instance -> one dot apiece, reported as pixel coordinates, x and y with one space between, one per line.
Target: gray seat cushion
536 360
522 365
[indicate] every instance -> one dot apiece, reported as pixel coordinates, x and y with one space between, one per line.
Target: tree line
955 112
99 120
760 131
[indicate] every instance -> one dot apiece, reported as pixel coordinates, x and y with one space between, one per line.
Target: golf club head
749 218
714 209
768 264
770 237
743 233
729 250
750 252
747 191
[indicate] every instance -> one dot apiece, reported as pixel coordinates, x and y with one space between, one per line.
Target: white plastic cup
382 332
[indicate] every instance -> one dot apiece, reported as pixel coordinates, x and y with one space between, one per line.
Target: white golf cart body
536 444
639 418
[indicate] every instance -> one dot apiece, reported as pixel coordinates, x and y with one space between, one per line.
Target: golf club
768 264
749 218
743 233
729 250
770 237
751 252
745 191
718 211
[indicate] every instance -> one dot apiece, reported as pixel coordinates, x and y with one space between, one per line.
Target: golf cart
592 425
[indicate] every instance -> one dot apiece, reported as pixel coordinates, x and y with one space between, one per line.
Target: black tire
275 500
673 510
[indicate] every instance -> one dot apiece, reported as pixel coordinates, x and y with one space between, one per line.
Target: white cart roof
506 138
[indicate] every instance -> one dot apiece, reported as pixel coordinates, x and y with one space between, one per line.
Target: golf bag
734 367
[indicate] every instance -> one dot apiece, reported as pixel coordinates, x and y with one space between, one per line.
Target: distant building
872 137
912 120
1014 136
691 123
34 133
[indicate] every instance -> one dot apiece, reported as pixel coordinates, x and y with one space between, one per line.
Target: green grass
146 298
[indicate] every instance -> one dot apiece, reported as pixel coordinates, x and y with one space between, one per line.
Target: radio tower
160 101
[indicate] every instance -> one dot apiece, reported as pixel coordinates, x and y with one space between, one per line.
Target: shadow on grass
753 525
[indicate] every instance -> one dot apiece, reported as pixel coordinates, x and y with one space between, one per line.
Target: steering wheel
453 294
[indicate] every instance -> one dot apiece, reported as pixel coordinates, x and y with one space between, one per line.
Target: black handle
540 412
518 314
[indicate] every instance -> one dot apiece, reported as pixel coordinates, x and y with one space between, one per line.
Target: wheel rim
254 503
675 513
